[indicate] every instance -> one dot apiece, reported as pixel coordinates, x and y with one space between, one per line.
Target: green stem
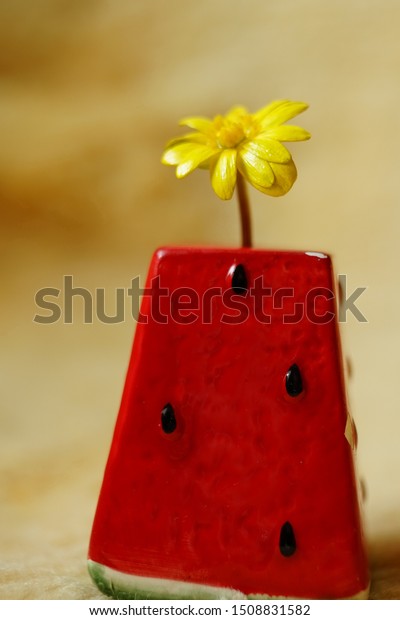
244 209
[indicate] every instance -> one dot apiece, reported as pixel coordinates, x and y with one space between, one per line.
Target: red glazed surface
206 503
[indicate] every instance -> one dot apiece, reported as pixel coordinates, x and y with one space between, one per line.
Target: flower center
230 135
230 132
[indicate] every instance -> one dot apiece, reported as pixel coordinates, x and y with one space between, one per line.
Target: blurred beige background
89 93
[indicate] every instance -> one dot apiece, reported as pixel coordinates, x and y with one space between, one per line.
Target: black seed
294 382
239 280
168 420
287 541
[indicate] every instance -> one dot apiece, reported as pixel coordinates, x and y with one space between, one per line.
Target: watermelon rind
124 586
120 585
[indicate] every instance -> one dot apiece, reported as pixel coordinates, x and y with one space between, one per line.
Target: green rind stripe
131 587
123 586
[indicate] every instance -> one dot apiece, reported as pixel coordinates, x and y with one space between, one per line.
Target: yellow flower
244 142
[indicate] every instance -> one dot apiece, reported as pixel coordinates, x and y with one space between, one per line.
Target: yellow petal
270 150
200 123
197 155
187 137
223 174
177 153
187 156
236 112
256 170
286 133
268 109
207 163
279 112
285 176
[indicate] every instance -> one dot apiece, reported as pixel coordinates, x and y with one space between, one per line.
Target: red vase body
231 469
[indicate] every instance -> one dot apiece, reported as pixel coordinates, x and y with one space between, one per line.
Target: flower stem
245 219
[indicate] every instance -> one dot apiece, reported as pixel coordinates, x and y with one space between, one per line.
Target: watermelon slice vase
231 470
